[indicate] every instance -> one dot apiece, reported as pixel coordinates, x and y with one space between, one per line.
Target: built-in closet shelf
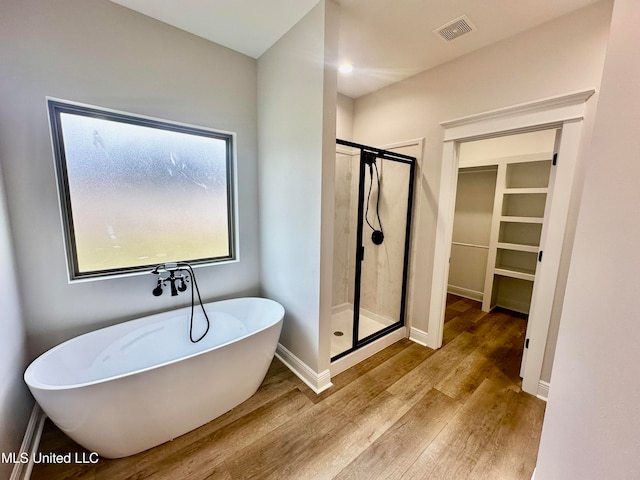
518 246
520 199
522 274
525 191
505 218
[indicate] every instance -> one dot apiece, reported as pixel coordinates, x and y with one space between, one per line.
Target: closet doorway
502 198
565 115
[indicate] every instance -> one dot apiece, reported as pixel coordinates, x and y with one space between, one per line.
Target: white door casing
563 112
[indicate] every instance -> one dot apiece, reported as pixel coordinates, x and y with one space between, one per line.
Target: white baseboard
543 390
30 443
418 336
362 353
465 292
318 382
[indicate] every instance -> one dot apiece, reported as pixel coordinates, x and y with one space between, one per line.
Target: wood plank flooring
406 413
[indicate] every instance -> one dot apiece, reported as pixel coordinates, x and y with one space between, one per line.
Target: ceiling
385 40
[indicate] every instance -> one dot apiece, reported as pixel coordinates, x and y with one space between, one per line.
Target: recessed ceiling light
345 68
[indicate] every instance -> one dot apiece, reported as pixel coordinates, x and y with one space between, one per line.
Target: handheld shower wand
181 280
377 236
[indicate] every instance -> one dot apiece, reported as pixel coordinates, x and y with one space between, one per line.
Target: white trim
362 353
419 336
465 292
30 444
442 248
525 115
543 390
318 382
533 476
563 112
551 242
501 179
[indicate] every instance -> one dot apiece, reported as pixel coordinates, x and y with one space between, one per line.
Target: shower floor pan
342 328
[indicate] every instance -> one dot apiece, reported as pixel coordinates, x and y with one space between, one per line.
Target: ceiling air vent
456 28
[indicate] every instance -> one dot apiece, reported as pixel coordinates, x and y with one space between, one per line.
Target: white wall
485 151
344 117
103 54
15 401
592 422
297 131
559 57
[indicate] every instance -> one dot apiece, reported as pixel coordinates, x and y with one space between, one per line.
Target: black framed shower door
380 253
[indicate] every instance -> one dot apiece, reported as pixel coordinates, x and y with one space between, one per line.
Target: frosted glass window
137 192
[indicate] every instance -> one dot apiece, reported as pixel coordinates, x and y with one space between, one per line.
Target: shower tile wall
344 242
383 265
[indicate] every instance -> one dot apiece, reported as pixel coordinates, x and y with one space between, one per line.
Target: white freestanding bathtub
126 388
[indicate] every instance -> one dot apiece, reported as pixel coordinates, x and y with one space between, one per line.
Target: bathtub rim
31 382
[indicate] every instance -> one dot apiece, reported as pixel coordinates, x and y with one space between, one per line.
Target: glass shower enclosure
373 206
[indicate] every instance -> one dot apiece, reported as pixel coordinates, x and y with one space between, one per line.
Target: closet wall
471 231
500 207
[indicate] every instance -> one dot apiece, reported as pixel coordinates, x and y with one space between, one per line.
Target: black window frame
57 107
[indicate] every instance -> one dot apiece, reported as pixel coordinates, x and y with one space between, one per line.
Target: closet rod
460 244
